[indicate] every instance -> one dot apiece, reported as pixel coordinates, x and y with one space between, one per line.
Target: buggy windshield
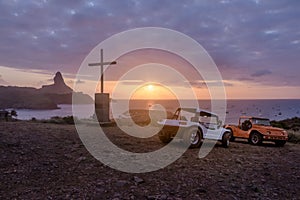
265 122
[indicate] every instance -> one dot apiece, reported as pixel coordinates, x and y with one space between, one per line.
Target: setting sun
150 87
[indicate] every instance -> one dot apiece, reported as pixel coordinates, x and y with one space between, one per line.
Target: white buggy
193 125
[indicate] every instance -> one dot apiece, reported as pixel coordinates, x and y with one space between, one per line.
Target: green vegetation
292 126
294 136
57 120
288 124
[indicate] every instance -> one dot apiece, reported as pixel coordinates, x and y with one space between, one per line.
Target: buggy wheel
255 138
226 139
164 137
193 137
232 138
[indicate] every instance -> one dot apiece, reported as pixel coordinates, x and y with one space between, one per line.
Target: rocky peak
58 79
59 86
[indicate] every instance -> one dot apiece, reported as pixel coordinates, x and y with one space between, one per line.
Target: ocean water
86 111
273 109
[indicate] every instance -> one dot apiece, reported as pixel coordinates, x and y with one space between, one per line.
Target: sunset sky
254 43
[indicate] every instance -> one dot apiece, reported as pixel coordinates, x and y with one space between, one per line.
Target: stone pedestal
102 107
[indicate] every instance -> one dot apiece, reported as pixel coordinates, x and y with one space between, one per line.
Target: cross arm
104 63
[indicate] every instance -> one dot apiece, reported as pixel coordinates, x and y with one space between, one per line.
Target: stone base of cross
102 107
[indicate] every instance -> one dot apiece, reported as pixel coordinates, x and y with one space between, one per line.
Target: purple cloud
260 73
237 34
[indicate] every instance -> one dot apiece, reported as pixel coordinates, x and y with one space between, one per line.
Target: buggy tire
164 137
193 137
255 138
232 138
226 139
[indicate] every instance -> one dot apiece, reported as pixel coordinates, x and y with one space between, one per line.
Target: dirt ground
48 161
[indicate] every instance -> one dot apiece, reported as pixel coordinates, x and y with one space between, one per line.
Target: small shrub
294 136
68 120
59 120
55 118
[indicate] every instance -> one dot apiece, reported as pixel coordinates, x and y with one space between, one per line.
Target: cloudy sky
255 43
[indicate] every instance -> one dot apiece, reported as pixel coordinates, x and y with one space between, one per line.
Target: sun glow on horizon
153 91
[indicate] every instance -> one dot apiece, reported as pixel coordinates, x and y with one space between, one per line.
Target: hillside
47 97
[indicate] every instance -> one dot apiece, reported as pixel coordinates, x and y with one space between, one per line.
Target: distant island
46 97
